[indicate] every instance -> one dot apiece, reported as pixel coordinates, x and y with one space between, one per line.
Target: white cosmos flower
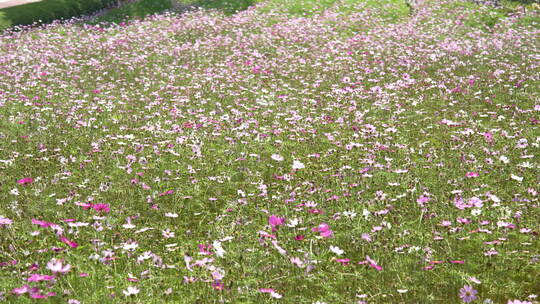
167 233
526 165
293 223
298 165
218 249
277 157
517 178
402 290
495 198
476 212
336 250
130 246
131 290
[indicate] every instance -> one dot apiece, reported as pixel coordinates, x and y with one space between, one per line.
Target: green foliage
226 6
390 10
49 10
138 9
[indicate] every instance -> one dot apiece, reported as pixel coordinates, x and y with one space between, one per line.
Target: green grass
376 102
48 10
134 10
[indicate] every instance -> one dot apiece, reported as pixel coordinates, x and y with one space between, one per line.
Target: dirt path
10 3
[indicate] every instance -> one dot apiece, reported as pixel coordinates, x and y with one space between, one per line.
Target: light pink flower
57 266
272 292
21 290
277 157
5 221
40 277
372 263
519 302
324 230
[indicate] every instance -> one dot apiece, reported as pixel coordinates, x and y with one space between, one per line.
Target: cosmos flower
519 302
324 230
40 277
25 181
4 221
57 266
275 221
131 291
467 294
277 157
272 292
336 250
298 165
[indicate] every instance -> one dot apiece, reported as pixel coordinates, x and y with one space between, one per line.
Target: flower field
349 151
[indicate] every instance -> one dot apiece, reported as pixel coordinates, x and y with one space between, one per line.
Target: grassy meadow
334 151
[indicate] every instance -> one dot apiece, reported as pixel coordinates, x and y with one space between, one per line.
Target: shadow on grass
142 8
49 10
133 10
5 22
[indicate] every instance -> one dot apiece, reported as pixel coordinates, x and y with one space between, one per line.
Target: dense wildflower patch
342 156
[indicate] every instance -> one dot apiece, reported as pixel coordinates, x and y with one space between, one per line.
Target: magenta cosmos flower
25 181
275 221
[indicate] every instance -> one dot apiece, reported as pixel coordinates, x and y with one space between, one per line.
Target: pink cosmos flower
372 263
472 174
446 223
25 181
275 221
488 136
5 221
43 224
422 200
57 266
519 302
272 292
12 262
460 204
324 230
218 285
40 277
68 242
476 202
168 192
38 295
101 207
343 262
366 237
20 290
